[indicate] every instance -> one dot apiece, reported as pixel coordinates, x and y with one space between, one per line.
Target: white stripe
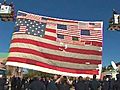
97 28
18 33
55 52
50 34
53 62
38 68
22 36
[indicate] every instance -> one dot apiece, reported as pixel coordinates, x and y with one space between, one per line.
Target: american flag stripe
51 34
45 45
62 21
51 26
43 69
72 30
22 29
51 55
53 67
57 52
95 35
37 39
69 39
30 16
94 25
52 62
90 25
82 59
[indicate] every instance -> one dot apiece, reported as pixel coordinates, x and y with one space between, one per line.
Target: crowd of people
61 83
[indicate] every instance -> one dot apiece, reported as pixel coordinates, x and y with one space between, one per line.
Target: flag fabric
55 45
90 25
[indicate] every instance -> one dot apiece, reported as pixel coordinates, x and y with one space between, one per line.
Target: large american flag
55 45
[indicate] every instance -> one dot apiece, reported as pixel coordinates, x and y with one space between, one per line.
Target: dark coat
2 83
105 85
117 82
80 85
37 85
94 84
13 83
87 85
52 86
63 86
117 85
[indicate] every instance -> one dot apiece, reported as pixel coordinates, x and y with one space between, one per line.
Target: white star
32 30
35 28
20 21
43 25
33 25
40 35
36 23
28 20
42 30
39 27
25 21
28 32
38 31
27 24
35 34
30 27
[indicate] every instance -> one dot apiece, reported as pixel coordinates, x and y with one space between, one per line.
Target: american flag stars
33 27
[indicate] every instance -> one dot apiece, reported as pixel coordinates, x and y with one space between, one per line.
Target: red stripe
50 38
97 43
68 21
50 30
94 43
45 45
37 63
55 57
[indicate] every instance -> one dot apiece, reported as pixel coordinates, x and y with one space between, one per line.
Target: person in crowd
80 84
26 83
94 83
111 83
30 80
2 82
13 83
18 83
117 82
45 81
105 83
87 83
52 83
63 83
36 84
